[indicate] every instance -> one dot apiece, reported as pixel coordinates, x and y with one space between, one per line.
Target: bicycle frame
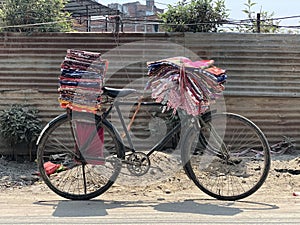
195 122
159 145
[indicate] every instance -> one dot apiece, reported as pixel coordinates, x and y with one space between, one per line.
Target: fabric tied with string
180 83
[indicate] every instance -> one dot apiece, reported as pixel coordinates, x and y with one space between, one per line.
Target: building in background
92 16
137 17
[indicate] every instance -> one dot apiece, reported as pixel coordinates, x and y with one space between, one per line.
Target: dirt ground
283 180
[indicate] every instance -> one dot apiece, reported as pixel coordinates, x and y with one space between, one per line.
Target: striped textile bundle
81 81
181 83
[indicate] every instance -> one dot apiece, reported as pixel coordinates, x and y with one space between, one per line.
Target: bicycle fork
221 149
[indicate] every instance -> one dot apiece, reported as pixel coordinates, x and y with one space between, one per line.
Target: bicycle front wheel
79 156
229 158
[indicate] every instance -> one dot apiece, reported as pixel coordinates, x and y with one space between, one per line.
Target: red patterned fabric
181 83
89 141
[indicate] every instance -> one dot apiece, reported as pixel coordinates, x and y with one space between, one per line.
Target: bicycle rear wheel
79 156
229 158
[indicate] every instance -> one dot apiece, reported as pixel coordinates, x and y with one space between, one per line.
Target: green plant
35 16
267 24
20 124
195 16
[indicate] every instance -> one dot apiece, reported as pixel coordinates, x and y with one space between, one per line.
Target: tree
267 24
196 16
47 16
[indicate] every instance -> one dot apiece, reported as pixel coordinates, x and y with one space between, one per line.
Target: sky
281 8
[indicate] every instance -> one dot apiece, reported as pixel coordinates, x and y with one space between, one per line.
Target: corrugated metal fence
263 69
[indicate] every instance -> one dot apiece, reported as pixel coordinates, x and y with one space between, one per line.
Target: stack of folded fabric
81 80
181 83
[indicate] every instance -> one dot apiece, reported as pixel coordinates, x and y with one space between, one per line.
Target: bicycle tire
77 177
236 175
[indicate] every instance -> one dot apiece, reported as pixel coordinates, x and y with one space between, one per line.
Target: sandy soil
282 182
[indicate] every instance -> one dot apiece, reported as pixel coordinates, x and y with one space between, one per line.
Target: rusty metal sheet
263 69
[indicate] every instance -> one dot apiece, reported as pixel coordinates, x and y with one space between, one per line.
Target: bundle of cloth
180 83
81 80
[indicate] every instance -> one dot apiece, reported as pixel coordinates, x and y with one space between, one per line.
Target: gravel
285 170
17 175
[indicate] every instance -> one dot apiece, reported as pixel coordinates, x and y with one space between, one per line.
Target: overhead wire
244 22
147 20
141 21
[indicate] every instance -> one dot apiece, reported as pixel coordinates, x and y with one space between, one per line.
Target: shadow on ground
66 208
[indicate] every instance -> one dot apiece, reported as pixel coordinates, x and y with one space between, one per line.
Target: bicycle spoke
235 160
81 172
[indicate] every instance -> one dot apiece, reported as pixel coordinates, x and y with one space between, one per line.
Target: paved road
48 208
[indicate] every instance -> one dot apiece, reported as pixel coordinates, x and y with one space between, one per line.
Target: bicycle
226 155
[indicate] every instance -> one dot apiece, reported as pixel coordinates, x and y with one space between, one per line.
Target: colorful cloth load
180 83
81 80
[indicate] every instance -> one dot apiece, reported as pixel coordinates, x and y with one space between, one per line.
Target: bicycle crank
138 163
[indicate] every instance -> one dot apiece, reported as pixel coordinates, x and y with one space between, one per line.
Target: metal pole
88 29
258 22
106 23
117 24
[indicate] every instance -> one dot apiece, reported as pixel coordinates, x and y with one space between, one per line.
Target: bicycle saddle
115 92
